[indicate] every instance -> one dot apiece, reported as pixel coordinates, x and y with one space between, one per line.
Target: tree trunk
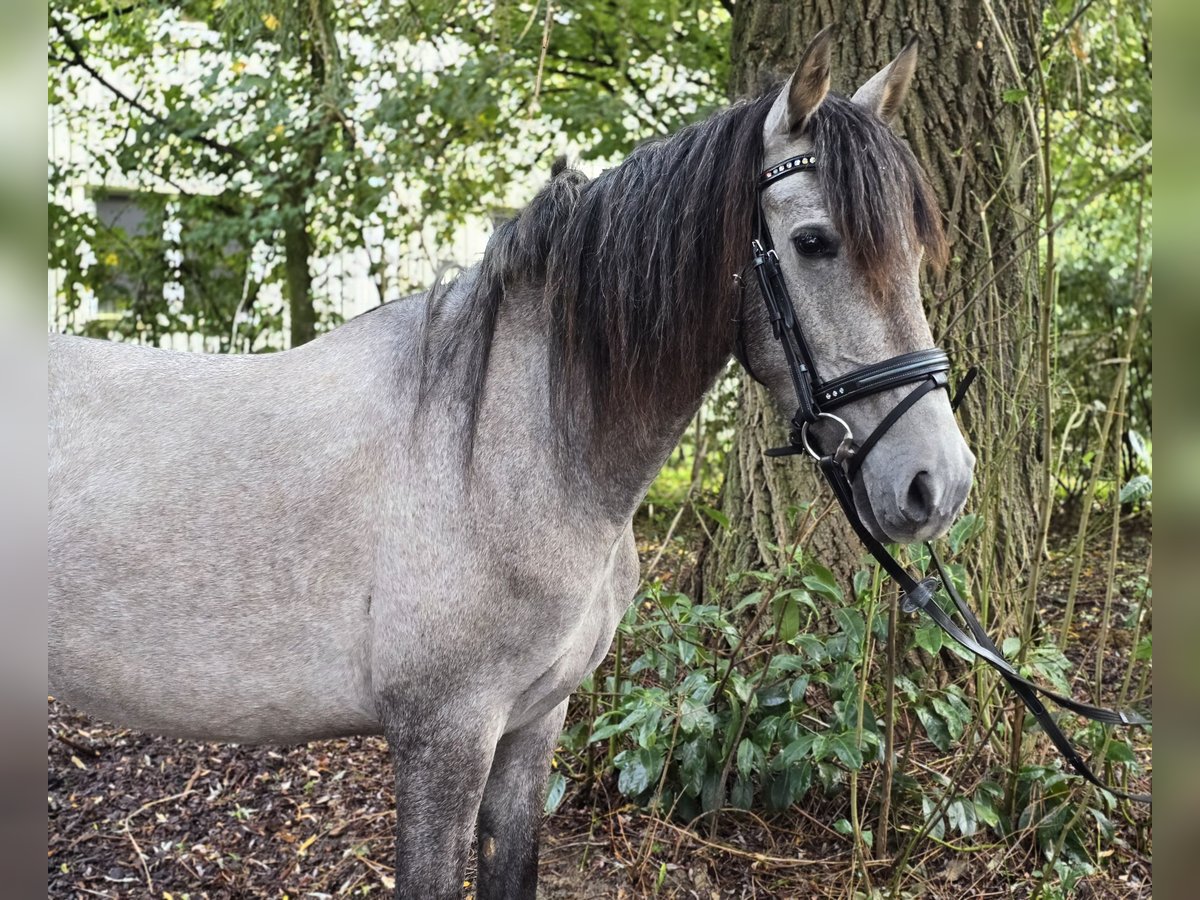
297 248
324 60
976 149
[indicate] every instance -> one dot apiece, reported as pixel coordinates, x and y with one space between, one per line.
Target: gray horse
419 525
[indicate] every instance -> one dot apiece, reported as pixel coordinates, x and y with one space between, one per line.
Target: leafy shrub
764 702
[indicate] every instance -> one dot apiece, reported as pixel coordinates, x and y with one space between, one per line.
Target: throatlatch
817 400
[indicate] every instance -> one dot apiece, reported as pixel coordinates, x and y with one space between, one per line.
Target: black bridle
817 400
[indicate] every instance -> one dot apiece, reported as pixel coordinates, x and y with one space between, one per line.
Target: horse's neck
610 464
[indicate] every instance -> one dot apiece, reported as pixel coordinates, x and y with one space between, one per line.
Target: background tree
249 142
280 134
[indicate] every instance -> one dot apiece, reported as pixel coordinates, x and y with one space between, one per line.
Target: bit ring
845 446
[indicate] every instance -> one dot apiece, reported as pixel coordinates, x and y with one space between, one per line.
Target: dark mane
875 191
638 264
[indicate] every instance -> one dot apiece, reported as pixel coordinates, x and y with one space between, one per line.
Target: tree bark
324 59
297 248
978 153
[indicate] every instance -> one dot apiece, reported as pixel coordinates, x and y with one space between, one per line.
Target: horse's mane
635 267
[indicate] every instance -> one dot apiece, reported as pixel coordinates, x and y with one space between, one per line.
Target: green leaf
693 765
830 775
604 732
853 625
862 583
749 600
1120 752
710 799
955 723
773 695
813 647
788 786
928 808
929 638
803 597
747 754
1137 444
784 662
843 681
985 811
822 581
635 777
798 749
716 515
1145 649
765 731
741 687
1136 488
961 815
798 689
1014 95
741 795
845 748
935 728
963 530
556 789
639 769
696 717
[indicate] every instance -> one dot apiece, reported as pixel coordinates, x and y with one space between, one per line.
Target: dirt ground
132 816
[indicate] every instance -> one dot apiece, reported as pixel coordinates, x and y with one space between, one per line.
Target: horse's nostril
918 502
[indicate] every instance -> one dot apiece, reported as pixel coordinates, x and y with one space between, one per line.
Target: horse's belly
180 698
217 673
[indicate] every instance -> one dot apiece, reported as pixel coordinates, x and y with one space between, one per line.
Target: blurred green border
1177 442
22 444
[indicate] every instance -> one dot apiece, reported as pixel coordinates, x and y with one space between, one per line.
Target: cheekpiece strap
804 163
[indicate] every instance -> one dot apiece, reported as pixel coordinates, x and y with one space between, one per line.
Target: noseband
817 400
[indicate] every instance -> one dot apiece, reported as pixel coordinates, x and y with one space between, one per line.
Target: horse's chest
586 622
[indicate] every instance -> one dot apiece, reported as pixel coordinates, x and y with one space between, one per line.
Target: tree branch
79 61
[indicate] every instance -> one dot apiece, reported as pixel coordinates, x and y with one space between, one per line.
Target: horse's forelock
875 190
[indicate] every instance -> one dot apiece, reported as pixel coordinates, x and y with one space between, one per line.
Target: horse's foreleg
441 771
510 816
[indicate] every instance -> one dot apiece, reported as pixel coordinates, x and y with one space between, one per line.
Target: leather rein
816 400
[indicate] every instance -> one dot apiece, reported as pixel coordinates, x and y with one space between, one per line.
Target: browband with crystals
805 162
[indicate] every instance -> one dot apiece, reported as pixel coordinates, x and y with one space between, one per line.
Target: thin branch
79 61
537 84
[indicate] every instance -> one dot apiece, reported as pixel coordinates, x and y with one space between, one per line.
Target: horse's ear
884 94
805 90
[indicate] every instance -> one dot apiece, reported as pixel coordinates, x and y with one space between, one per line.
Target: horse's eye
811 243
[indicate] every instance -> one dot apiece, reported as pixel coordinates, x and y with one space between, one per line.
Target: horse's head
850 235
